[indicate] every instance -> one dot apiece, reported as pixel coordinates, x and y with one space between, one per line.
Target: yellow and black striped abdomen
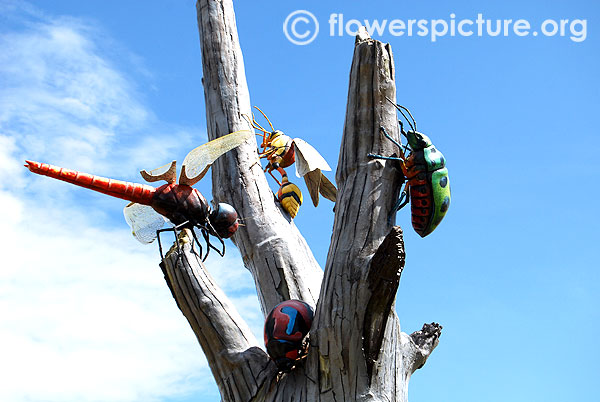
290 197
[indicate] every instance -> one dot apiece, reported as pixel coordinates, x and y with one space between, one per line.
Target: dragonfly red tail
140 193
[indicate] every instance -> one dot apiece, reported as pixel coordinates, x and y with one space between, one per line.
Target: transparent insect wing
144 222
307 158
196 163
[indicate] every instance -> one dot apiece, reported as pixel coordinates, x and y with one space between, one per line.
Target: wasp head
275 134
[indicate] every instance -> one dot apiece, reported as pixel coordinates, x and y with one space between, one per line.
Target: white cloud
85 313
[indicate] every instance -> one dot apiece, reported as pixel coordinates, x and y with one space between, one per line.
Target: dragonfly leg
198 243
213 231
174 230
207 240
162 257
210 245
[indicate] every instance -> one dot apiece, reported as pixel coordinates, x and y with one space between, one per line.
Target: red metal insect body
180 203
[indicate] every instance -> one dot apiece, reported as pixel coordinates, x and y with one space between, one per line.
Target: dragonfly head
224 219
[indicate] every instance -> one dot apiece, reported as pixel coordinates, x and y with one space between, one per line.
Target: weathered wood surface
367 191
357 351
271 246
240 367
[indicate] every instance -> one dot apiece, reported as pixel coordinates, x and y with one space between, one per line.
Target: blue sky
114 87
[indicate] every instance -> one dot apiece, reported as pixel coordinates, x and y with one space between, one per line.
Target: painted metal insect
181 204
285 333
427 186
282 151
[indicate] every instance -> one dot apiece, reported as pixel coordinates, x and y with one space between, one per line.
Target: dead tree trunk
357 351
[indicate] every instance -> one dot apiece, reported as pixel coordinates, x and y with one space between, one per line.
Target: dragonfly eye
225 220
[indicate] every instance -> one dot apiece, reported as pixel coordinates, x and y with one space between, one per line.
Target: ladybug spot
442 160
433 150
444 181
445 204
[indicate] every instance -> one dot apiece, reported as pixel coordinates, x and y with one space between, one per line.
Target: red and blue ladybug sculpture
286 328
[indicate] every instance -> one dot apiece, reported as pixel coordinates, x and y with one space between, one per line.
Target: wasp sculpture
282 151
285 333
180 203
427 184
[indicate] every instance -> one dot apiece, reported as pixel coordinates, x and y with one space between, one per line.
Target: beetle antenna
272 128
412 125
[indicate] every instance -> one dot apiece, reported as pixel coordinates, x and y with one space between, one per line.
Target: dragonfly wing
144 221
196 163
166 172
307 158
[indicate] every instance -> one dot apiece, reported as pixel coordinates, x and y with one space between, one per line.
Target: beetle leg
401 203
391 158
389 137
403 200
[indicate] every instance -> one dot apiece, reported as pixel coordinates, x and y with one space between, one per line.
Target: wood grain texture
271 246
240 367
357 351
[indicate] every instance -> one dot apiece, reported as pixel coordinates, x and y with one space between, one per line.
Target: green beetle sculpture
427 184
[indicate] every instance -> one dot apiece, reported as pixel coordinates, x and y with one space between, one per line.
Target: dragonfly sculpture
151 207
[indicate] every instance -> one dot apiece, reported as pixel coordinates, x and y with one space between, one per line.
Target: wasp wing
313 183
327 188
144 221
317 182
196 163
307 158
309 164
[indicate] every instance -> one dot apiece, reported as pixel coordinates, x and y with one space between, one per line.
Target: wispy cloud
84 311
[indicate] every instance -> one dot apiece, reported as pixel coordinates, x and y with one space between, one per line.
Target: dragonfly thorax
181 203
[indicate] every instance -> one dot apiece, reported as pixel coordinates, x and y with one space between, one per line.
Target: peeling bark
383 280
